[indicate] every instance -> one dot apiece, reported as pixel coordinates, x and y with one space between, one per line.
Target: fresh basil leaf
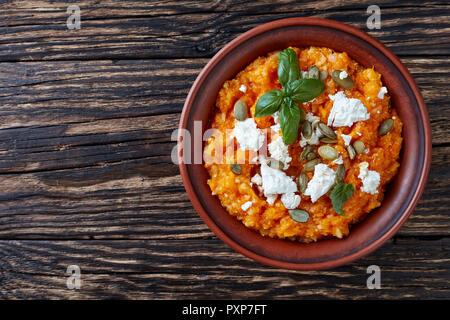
304 90
268 103
288 67
340 194
289 121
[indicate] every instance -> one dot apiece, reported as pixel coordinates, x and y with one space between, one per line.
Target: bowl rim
307 21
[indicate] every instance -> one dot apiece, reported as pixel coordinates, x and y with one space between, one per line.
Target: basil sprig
340 194
289 120
295 91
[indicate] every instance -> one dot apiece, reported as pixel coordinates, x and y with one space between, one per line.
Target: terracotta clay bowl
402 193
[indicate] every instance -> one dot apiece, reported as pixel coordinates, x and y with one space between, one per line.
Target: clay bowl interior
403 192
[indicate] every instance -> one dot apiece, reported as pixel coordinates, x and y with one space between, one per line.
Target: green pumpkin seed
346 83
236 168
327 140
326 130
323 75
275 164
309 166
340 173
310 156
386 127
302 182
327 152
351 152
359 147
308 149
300 216
240 110
302 114
307 129
313 72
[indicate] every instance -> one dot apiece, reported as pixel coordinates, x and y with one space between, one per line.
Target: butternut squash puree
274 220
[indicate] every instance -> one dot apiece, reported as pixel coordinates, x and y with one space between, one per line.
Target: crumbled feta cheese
347 139
276 127
255 160
271 198
246 205
248 135
346 111
275 181
257 179
369 178
382 92
316 134
366 151
312 118
323 179
290 200
338 160
280 151
394 117
243 88
359 134
343 75
276 118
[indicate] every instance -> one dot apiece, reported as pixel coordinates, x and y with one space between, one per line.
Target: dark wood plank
89 91
85 147
155 30
145 199
85 150
207 269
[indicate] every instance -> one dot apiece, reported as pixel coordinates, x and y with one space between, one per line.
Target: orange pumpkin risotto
306 140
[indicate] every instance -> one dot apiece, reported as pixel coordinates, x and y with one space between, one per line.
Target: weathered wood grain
86 178
145 199
85 150
206 269
39 100
38 31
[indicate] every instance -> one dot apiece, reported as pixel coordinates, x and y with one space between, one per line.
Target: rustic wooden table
85 140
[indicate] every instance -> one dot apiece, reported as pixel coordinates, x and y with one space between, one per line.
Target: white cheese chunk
290 200
248 135
369 178
347 139
338 160
323 179
346 111
246 205
271 198
280 151
276 128
275 181
382 92
256 179
343 75
276 118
